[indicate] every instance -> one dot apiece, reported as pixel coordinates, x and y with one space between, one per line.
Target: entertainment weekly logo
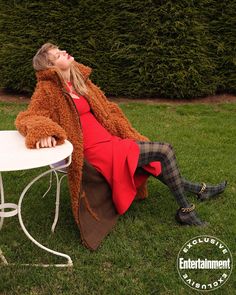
204 263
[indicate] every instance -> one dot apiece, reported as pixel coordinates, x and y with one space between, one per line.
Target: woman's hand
45 142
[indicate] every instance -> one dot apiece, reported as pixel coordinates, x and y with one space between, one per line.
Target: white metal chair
58 189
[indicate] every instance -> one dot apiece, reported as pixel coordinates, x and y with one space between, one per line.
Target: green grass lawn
139 256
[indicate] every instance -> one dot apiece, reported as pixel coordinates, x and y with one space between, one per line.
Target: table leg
2 218
59 180
4 214
69 261
2 200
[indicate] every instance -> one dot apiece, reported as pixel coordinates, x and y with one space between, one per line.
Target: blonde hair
42 61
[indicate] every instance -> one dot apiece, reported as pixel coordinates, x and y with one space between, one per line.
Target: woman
111 161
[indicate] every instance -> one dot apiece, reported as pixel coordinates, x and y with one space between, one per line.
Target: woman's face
60 58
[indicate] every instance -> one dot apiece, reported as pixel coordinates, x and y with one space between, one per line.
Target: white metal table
15 156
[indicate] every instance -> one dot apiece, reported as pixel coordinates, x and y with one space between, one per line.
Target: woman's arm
36 122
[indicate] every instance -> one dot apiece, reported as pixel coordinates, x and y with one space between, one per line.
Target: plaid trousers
163 152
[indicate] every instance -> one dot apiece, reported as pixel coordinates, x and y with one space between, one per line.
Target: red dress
115 158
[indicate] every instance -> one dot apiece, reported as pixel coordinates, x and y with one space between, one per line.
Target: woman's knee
168 148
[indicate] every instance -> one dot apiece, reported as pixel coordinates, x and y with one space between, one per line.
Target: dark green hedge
137 48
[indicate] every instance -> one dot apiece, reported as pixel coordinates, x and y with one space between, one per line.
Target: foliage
138 48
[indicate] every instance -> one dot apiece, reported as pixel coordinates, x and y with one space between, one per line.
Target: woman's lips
70 57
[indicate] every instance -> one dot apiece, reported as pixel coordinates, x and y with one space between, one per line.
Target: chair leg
57 200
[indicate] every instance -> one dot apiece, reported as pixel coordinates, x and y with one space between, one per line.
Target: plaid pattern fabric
192 187
209 191
163 152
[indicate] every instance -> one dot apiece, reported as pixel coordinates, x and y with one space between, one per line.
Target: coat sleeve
36 122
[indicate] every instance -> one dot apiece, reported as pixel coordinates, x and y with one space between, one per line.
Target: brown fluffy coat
52 113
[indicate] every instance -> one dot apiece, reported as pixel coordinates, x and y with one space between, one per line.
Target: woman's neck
66 75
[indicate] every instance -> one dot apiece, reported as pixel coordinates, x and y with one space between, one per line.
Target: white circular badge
204 263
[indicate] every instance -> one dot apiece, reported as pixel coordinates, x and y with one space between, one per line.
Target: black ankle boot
188 216
208 192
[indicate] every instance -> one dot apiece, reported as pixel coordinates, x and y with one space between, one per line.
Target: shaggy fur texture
52 113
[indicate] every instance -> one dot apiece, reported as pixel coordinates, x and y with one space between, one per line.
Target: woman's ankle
209 191
188 216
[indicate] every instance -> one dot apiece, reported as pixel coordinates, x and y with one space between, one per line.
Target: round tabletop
14 155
